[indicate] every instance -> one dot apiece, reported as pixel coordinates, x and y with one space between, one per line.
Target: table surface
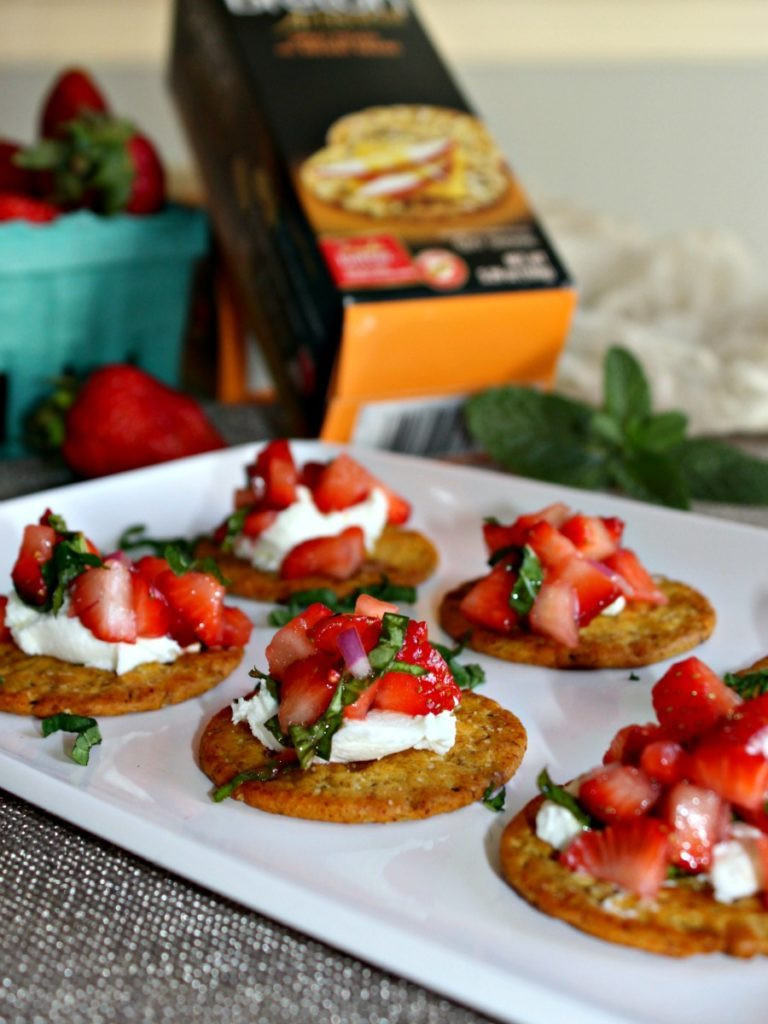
92 932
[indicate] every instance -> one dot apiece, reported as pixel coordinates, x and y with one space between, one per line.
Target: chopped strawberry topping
257 521
36 549
276 468
732 757
325 634
153 616
487 602
638 584
618 791
236 627
306 689
372 607
151 566
664 761
292 641
594 537
690 697
697 818
338 557
498 536
196 600
630 741
555 612
595 589
5 633
552 548
432 692
102 598
344 482
632 854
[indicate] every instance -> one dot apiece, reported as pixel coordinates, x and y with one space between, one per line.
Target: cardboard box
383 252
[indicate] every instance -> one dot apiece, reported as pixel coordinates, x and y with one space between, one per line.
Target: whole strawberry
72 93
100 162
16 206
124 418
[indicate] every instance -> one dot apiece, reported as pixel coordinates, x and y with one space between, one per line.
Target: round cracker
405 557
679 921
490 743
640 635
40 685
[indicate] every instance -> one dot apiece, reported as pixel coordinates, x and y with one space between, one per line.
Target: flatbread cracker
490 743
40 685
640 635
405 557
679 921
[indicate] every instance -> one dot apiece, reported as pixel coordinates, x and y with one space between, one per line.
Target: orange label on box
368 260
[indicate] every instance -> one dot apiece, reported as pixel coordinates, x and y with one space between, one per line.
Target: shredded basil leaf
383 590
748 685
530 576
633 677
273 725
69 559
508 551
494 803
560 795
316 739
466 677
234 527
270 771
135 537
86 729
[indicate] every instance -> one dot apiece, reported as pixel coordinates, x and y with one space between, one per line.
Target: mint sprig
622 446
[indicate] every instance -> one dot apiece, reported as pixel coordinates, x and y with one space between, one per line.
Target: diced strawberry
325 634
345 482
433 692
338 557
153 617
306 689
732 772
487 602
595 589
689 698
102 598
151 566
372 607
555 612
196 600
257 521
360 708
310 474
629 742
275 466
665 761
236 627
639 584
697 819
292 641
595 537
617 791
632 854
244 497
5 633
36 549
552 548
498 536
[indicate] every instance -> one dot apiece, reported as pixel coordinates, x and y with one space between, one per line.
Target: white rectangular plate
423 899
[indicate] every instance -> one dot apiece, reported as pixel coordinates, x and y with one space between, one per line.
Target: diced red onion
352 651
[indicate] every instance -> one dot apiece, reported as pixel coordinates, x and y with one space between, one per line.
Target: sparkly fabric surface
93 934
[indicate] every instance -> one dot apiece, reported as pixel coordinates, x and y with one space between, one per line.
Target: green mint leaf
86 730
530 577
626 395
544 436
494 802
658 433
560 795
748 684
466 677
650 476
271 770
714 471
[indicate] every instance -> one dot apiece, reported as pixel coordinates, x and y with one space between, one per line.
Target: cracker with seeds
639 635
679 920
404 557
490 743
41 685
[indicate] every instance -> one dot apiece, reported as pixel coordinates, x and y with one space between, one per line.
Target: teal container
87 290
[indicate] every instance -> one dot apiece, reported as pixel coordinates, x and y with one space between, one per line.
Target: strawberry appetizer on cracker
359 719
92 634
564 592
328 524
665 845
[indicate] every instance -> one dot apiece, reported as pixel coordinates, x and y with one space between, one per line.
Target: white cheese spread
735 870
377 735
303 520
615 607
64 637
556 825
